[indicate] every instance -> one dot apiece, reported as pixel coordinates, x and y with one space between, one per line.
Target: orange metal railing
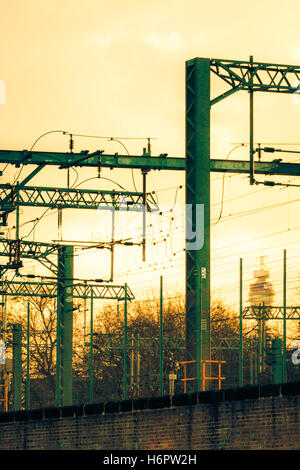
219 377
4 398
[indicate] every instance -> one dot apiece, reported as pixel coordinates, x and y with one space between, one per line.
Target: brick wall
258 417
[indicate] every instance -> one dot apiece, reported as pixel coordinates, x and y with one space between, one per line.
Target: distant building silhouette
261 290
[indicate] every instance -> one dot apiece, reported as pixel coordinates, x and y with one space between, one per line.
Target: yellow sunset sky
115 68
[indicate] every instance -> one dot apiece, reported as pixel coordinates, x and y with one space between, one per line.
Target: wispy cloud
171 41
103 40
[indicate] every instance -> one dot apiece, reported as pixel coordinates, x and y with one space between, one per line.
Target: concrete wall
258 417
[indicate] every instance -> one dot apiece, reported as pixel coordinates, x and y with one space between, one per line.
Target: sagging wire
169 230
3 170
172 218
161 213
102 178
121 143
37 221
149 268
156 233
166 237
109 137
76 179
215 257
223 183
256 211
72 187
31 148
22 167
21 225
114 139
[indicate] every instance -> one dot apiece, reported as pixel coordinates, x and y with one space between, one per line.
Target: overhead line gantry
246 76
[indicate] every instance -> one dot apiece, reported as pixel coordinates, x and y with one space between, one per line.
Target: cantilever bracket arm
225 95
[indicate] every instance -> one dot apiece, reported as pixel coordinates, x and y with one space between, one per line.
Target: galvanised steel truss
15 250
230 343
241 75
249 76
27 249
65 291
261 312
14 196
66 198
81 290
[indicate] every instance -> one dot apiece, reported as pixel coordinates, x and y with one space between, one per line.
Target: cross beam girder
275 167
270 313
58 159
27 249
243 75
49 289
16 250
66 198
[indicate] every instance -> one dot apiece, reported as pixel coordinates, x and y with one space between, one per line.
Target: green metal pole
17 253
251 355
125 346
58 350
241 326
251 125
161 338
17 367
27 405
138 364
112 250
67 331
259 352
144 173
284 318
132 360
197 203
65 299
17 211
91 349
276 361
263 339
256 360
199 340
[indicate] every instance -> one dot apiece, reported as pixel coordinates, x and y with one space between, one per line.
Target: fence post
27 359
91 348
284 319
241 326
125 346
161 338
